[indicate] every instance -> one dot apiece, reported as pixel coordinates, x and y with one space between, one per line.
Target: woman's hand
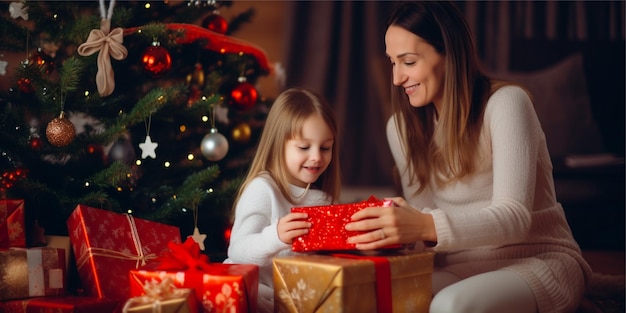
385 226
291 226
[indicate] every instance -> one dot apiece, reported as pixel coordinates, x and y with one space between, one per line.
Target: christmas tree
147 108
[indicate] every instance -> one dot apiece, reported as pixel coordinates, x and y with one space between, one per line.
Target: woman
476 176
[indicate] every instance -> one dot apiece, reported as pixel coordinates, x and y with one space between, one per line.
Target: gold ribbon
110 45
91 252
156 292
140 257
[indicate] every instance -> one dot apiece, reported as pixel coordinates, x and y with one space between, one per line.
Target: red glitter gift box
218 287
67 304
107 245
327 232
12 227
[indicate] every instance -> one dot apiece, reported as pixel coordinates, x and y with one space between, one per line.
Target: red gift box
32 272
107 245
328 232
68 304
12 225
218 287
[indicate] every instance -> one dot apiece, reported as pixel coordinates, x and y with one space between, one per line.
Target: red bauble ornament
35 143
216 23
156 61
25 85
243 96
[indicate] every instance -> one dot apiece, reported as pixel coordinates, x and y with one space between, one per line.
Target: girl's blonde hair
284 122
449 149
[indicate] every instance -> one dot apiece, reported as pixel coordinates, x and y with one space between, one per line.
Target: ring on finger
382 234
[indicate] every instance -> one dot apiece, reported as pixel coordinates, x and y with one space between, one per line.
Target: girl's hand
385 226
291 226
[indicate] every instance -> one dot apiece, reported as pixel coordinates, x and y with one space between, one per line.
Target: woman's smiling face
417 66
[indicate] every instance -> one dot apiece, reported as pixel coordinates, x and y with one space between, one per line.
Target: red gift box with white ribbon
107 245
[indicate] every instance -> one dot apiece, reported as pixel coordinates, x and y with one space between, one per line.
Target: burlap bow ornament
18 9
110 45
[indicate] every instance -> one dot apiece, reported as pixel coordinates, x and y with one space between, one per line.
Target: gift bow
109 44
182 257
155 293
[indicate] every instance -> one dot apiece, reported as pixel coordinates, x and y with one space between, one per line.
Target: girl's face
308 156
417 66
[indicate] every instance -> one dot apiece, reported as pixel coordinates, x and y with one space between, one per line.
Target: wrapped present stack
35 279
26 272
124 265
217 287
334 277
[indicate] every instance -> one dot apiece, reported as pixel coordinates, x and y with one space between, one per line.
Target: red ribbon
384 303
181 257
217 42
188 258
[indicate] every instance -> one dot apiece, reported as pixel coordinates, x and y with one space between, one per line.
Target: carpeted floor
606 291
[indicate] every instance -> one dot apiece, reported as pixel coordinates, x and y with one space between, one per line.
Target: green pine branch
189 195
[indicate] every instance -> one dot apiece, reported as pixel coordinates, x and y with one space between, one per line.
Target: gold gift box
32 272
183 302
326 283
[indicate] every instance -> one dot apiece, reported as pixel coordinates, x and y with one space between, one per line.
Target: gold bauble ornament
60 131
196 78
241 133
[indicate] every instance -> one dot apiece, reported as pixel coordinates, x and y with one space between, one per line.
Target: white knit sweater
506 215
254 238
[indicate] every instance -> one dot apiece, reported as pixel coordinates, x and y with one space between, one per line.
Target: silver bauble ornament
214 145
122 150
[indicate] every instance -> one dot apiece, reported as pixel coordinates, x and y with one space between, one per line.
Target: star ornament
198 237
148 148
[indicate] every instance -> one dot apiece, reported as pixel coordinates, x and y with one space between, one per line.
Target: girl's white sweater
254 237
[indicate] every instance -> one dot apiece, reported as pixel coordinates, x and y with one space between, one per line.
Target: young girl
296 164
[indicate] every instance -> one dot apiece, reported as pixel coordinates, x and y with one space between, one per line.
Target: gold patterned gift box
32 272
398 282
162 297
